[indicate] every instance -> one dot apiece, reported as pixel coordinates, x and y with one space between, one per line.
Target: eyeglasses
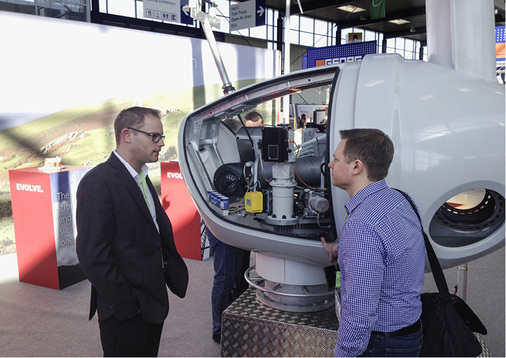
156 137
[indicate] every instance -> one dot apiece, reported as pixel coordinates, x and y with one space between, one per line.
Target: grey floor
38 321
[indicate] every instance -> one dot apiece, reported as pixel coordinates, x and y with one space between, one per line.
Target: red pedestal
43 211
183 214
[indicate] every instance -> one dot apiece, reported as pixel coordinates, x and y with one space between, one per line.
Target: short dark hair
233 124
133 117
371 146
254 117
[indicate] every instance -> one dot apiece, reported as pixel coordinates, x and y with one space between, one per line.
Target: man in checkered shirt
381 253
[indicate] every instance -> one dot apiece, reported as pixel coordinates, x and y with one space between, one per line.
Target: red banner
183 214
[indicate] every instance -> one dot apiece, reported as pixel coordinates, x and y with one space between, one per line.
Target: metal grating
251 329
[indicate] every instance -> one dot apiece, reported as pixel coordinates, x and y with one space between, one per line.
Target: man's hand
331 249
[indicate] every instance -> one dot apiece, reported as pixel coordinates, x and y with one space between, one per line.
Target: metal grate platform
250 328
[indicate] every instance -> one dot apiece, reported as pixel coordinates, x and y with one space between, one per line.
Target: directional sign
247 14
167 10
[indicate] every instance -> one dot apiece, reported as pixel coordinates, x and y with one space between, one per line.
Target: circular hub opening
467 218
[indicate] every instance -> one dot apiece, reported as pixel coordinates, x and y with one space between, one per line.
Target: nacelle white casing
447 129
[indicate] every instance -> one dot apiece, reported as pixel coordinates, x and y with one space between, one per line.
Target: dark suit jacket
119 248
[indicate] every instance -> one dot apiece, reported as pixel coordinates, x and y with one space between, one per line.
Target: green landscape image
84 136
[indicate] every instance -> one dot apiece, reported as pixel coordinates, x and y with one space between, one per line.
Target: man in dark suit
125 243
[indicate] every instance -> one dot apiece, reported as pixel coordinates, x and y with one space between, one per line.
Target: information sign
247 14
44 216
168 10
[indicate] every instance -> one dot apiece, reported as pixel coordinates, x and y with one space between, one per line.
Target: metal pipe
227 85
286 67
463 269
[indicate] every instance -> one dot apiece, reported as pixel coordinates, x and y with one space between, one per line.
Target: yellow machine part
254 201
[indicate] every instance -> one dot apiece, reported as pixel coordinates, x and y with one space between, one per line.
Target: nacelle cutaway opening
467 218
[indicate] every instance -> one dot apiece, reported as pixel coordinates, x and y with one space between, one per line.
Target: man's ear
357 167
126 135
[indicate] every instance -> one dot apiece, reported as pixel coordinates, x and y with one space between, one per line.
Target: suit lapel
132 186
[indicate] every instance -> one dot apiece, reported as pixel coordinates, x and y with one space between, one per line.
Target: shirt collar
131 170
363 193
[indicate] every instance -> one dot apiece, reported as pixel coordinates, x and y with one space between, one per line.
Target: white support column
439 46
473 38
460 35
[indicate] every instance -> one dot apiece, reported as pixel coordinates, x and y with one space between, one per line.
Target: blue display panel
330 55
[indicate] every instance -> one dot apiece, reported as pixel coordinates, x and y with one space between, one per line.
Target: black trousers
130 338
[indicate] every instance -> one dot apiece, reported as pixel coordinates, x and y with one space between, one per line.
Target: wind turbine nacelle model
260 190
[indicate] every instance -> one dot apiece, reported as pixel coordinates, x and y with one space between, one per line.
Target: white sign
247 14
165 10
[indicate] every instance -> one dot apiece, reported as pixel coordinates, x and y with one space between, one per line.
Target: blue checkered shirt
382 260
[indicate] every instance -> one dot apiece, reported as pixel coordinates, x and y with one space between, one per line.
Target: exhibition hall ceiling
402 18
357 14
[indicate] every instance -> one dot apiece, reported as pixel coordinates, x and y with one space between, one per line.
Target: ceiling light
350 8
399 21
